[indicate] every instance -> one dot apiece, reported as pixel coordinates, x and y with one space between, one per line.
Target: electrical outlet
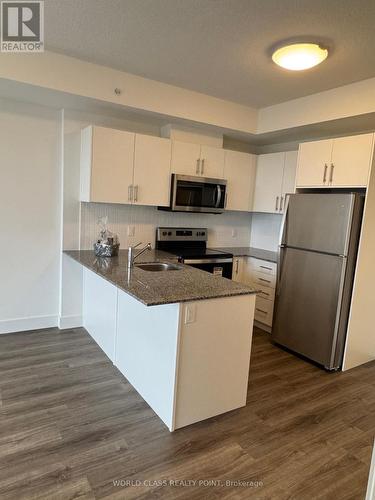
234 233
131 230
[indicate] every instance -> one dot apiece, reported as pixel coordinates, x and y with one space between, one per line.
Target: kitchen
139 174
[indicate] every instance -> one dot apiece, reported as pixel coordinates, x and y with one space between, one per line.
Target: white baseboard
72 321
25 324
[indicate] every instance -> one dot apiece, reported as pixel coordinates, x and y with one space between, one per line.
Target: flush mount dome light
299 56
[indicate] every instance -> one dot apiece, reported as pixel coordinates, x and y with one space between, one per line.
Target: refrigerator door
308 303
319 222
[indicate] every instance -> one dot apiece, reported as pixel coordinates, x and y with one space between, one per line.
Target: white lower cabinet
237 273
259 274
99 311
189 361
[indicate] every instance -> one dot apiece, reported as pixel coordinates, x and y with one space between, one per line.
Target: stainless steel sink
158 266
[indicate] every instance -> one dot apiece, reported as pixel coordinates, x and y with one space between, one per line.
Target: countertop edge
250 291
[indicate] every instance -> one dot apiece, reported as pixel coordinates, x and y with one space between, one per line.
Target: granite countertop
156 288
257 253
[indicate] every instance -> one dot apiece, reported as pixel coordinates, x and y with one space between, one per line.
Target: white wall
360 344
30 213
228 229
265 230
341 102
72 76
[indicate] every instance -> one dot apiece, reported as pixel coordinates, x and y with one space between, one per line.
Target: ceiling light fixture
299 56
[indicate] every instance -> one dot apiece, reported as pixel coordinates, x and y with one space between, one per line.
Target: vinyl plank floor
71 426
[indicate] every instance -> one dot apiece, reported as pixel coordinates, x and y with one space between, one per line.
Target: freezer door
318 222
307 303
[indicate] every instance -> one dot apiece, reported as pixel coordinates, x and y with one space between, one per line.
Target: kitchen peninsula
159 329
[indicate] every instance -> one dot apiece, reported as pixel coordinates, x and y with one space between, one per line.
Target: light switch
131 230
190 314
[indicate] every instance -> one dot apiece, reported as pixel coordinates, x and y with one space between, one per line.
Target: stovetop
187 243
198 253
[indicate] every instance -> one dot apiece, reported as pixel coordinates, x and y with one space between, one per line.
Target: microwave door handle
218 189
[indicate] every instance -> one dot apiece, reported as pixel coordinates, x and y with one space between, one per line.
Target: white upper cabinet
152 167
195 159
106 164
314 159
342 162
289 176
239 171
212 162
122 167
185 158
351 161
274 179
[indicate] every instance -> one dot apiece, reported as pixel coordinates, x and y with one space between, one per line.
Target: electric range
190 246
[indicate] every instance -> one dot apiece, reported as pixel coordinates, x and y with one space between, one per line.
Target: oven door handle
218 200
207 261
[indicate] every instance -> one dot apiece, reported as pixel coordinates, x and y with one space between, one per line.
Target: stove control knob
169 233
164 233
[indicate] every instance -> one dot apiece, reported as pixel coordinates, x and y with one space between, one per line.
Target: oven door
218 267
198 194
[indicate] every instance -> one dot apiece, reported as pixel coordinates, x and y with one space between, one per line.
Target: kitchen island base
189 361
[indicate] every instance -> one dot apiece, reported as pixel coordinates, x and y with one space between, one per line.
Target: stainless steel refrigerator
316 265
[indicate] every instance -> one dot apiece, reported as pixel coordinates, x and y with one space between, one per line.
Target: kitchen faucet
132 257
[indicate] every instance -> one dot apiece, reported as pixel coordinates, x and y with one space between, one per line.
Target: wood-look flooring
71 425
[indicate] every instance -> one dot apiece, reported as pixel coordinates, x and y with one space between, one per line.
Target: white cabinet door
185 158
268 185
289 177
239 171
314 159
152 166
212 162
238 265
111 165
213 364
351 161
99 311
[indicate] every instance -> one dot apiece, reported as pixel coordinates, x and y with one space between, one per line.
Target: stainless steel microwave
197 194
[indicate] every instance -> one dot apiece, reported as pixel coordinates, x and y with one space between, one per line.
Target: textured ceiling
218 47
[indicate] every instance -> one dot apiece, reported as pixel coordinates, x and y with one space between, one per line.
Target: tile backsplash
265 230
228 229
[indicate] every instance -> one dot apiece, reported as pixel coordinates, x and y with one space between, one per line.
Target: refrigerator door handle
278 269
284 221
281 244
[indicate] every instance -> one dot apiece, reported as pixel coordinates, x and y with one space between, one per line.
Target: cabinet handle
331 174
265 281
281 203
135 193
264 293
277 204
265 267
130 192
202 168
325 173
237 266
197 169
261 310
